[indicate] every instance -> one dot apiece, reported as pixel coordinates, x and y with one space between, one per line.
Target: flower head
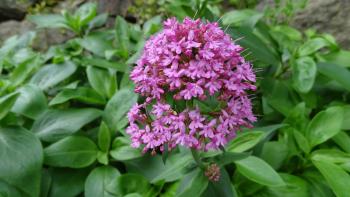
190 63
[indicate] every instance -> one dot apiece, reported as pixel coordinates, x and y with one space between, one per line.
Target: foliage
62 114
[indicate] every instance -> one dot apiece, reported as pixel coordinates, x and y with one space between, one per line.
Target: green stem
197 159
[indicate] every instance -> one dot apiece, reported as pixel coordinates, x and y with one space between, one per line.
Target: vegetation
63 111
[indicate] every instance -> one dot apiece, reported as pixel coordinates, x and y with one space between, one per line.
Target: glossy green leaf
346 120
312 46
342 139
193 184
122 34
97 43
245 141
48 20
241 17
117 107
259 171
336 73
301 140
331 155
102 80
24 69
6 103
103 63
304 73
324 125
104 137
67 182
121 150
21 160
52 74
82 94
341 58
274 153
86 13
56 124
256 46
337 178
98 180
31 102
154 169
295 187
46 182
129 183
72 151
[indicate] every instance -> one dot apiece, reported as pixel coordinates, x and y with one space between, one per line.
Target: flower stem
197 159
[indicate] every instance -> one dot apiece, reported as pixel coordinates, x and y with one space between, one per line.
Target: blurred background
327 16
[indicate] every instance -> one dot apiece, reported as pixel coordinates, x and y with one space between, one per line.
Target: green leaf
102 157
23 70
122 150
7 190
6 103
193 184
117 107
97 43
259 171
245 141
56 124
335 72
31 102
104 137
52 74
72 151
324 125
331 155
274 153
103 63
256 46
122 34
336 177
102 80
241 17
98 21
82 94
98 180
301 141
129 183
346 120
295 187
312 46
341 58
46 181
154 169
48 20
86 13
67 182
317 184
21 160
342 139
304 73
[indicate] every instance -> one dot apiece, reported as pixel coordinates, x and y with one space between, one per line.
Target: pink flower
189 63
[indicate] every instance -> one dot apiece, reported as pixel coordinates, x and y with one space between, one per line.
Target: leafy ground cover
63 113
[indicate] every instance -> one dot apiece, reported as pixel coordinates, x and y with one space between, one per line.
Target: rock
44 37
14 9
331 16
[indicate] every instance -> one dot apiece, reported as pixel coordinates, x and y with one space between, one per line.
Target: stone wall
329 16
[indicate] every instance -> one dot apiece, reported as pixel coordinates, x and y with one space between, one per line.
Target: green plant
63 114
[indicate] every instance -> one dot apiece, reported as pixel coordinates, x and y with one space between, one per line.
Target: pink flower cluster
190 61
